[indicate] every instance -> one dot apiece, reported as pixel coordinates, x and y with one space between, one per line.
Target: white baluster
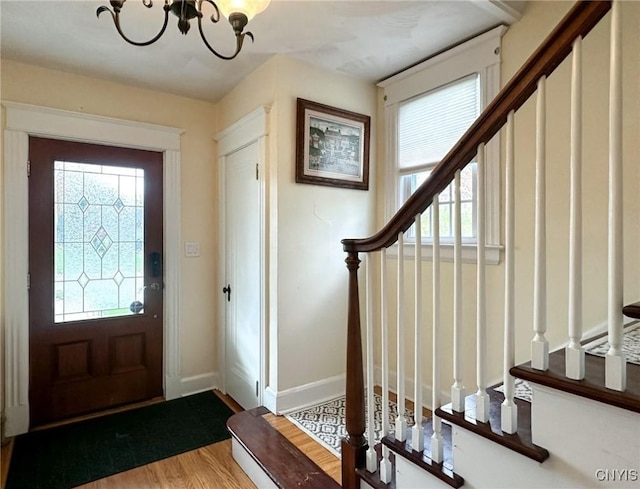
385 463
509 410
401 422
574 359
457 389
417 435
372 457
616 367
539 344
482 398
437 443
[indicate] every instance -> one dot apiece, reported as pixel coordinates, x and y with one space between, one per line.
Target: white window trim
481 55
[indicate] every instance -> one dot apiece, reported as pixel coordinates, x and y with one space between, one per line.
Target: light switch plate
191 249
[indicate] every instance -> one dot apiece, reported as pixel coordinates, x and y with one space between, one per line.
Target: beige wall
307 222
49 88
307 276
518 43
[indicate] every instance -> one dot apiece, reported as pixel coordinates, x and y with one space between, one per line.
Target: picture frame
332 146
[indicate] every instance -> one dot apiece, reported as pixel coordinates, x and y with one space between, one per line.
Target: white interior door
242 245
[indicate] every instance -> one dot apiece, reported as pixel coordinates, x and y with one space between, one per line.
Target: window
428 127
428 108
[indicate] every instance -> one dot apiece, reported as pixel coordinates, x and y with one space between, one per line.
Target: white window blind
430 124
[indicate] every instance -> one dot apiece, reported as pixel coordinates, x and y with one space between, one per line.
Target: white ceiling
362 38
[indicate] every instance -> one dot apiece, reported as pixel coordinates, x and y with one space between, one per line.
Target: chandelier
239 13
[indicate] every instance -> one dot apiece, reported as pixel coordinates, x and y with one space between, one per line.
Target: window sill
469 252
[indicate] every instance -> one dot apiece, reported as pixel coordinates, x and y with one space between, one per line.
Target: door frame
22 121
252 128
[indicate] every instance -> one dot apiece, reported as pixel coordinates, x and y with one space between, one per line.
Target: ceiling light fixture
239 13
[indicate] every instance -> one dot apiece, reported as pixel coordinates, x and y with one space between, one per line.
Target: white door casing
241 147
22 121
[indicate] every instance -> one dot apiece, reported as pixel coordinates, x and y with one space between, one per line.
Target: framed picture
332 146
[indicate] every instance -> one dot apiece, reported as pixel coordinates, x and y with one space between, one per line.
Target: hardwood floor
206 467
4 462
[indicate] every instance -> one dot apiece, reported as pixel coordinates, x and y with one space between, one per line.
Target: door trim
22 121
252 128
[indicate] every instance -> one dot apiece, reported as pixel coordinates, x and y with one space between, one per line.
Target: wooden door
95 266
242 245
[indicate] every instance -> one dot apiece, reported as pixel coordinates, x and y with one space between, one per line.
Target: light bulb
247 7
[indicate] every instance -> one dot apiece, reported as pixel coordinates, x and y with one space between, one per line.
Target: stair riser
588 438
257 475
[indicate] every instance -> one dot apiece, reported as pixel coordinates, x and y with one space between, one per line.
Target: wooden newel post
354 445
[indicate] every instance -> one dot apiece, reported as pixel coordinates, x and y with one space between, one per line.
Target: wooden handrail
555 48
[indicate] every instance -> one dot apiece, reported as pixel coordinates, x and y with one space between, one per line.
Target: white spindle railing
385 463
482 398
509 410
401 423
372 456
417 435
457 389
616 367
574 360
539 344
437 443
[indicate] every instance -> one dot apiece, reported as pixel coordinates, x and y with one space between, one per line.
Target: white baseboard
199 383
304 396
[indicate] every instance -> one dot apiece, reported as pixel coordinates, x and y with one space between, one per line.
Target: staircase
581 427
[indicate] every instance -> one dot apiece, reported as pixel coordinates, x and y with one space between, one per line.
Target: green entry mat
72 455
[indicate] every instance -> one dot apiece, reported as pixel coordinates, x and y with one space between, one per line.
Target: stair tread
591 387
443 471
520 442
279 458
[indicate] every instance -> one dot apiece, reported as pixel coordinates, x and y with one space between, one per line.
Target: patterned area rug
326 422
630 345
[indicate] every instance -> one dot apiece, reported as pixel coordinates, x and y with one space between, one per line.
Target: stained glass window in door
98 240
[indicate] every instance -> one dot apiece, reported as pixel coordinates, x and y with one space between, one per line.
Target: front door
95 266
242 245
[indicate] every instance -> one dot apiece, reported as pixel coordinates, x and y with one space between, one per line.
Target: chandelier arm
116 20
215 16
239 41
